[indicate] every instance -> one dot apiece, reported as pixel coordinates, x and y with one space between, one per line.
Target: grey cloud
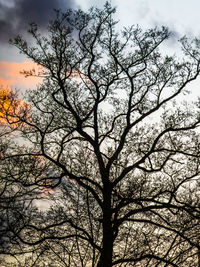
14 19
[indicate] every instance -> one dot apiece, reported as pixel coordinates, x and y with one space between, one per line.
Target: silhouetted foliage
108 162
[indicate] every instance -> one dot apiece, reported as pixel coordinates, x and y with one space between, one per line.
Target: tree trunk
107 248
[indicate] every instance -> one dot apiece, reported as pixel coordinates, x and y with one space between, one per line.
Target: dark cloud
14 18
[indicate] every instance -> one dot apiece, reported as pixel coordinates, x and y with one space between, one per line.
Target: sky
181 16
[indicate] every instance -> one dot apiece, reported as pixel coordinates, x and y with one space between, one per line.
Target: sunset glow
10 75
11 108
11 78
47 190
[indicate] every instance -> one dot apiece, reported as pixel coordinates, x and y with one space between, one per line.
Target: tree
118 159
13 196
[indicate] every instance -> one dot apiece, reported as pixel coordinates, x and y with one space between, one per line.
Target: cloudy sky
181 16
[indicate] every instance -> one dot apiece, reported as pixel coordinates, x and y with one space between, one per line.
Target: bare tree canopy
104 145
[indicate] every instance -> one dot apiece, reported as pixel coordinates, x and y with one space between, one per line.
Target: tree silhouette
107 147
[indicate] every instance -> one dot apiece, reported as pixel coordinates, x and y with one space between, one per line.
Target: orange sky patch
11 108
10 75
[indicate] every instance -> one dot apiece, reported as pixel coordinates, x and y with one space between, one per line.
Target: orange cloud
10 75
12 109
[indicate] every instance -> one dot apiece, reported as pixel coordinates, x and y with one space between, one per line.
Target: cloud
10 75
143 9
14 18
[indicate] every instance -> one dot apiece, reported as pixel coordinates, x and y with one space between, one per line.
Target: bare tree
10 191
117 160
